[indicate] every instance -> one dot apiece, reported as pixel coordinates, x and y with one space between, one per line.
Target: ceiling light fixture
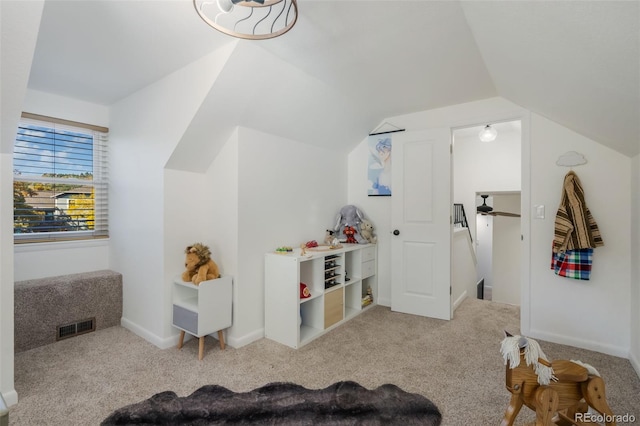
249 19
488 134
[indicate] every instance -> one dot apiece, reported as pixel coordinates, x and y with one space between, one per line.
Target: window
60 178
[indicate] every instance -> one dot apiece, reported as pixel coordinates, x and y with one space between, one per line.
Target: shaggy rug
343 403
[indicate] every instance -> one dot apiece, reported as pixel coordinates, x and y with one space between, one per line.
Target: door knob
396 232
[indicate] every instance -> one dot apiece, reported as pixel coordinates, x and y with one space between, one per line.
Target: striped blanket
576 233
575 227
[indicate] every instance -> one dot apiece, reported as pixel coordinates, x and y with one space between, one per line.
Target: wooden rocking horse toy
560 392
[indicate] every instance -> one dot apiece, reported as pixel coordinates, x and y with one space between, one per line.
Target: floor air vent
76 328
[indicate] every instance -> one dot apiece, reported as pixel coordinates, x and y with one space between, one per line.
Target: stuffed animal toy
349 216
350 231
200 266
366 230
328 237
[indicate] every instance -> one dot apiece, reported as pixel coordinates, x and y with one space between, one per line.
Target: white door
421 223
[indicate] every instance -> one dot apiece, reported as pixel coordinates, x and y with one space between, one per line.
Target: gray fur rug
343 403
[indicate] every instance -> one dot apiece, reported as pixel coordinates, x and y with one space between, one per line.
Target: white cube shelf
337 280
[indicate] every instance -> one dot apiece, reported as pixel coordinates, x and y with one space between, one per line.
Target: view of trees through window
53 188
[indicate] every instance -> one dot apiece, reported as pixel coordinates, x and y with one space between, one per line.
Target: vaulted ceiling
348 64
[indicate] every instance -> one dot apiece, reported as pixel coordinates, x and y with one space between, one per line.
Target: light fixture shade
249 19
488 134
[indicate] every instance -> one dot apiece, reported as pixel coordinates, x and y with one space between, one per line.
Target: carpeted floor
456 364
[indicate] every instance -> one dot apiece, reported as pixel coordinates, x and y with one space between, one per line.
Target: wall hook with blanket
576 232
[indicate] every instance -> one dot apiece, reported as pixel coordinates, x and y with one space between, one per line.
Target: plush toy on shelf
304 291
328 237
350 216
199 265
350 232
366 230
368 299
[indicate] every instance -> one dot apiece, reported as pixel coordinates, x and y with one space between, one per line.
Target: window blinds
61 176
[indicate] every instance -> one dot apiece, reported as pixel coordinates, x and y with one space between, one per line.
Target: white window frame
99 182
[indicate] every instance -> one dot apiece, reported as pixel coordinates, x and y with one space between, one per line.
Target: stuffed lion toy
200 266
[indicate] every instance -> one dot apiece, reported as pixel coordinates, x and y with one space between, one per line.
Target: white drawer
368 254
368 268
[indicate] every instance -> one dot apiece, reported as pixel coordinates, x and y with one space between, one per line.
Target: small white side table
202 309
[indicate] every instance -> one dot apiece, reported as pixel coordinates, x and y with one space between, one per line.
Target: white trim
162 343
239 341
525 224
619 351
459 300
10 397
384 302
60 245
635 363
172 341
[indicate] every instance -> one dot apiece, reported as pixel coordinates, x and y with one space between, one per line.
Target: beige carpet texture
456 364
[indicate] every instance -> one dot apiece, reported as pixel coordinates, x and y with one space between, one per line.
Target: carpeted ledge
342 403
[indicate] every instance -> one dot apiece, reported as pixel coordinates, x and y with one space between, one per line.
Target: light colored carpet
457 364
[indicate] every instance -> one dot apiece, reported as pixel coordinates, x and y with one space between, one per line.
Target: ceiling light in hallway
488 134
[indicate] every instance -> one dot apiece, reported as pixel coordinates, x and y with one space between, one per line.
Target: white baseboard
619 351
172 341
162 343
635 363
10 397
384 302
239 341
459 300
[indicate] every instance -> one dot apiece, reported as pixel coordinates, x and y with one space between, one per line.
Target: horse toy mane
512 346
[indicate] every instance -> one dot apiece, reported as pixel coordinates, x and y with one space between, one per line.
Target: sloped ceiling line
575 63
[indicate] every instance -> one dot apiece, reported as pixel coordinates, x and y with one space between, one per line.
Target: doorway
492 169
498 246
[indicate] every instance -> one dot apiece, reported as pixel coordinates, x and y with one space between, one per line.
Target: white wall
38 102
289 193
144 130
484 244
188 218
222 178
19 23
634 354
506 250
61 258
6 281
463 273
485 167
592 314
379 208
